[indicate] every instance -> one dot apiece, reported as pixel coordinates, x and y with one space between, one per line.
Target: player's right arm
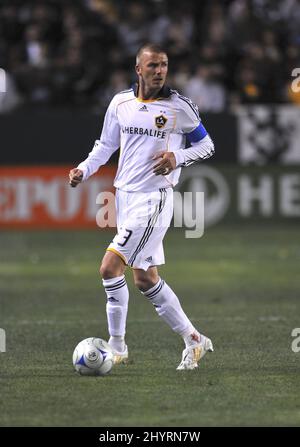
75 177
103 149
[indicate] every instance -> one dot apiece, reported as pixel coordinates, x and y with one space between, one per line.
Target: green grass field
240 286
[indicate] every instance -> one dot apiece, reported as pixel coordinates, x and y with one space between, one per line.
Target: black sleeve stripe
192 106
188 101
190 162
191 103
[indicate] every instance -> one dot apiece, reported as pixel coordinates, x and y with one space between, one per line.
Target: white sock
117 343
193 339
116 309
168 307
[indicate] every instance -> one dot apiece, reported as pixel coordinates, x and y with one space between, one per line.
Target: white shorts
143 219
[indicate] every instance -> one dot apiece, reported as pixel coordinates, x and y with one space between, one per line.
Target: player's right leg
112 270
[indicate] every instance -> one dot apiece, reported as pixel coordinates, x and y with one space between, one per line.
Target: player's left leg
169 309
164 300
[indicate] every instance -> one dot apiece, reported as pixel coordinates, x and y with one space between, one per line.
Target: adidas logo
149 259
112 299
143 108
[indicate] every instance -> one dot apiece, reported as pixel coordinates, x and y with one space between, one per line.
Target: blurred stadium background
61 62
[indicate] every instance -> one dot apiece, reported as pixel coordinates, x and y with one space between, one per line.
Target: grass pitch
239 285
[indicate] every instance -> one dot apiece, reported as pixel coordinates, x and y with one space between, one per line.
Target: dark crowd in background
64 53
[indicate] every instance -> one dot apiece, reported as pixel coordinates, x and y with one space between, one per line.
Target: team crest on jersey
160 121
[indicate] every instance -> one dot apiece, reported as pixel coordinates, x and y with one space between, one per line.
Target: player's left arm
189 124
201 144
202 147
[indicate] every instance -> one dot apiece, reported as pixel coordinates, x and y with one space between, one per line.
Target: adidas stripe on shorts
143 219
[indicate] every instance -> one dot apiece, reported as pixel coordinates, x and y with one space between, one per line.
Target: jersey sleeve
188 118
189 124
108 143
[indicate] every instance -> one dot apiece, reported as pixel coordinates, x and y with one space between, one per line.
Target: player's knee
107 271
144 284
111 266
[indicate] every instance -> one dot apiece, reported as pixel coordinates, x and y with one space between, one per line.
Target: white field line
269 318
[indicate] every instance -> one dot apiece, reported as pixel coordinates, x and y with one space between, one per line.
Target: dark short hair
152 47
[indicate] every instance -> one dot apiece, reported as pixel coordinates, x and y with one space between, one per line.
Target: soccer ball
93 357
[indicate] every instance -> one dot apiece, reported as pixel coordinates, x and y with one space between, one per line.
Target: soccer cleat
120 357
192 354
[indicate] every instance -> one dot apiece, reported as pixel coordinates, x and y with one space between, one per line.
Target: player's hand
75 177
166 164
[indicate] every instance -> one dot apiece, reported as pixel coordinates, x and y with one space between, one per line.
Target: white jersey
141 128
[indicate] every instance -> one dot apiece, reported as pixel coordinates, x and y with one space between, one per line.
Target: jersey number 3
126 238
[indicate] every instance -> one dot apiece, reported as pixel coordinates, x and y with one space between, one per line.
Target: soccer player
150 123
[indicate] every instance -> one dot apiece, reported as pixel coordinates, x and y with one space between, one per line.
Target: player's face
153 69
